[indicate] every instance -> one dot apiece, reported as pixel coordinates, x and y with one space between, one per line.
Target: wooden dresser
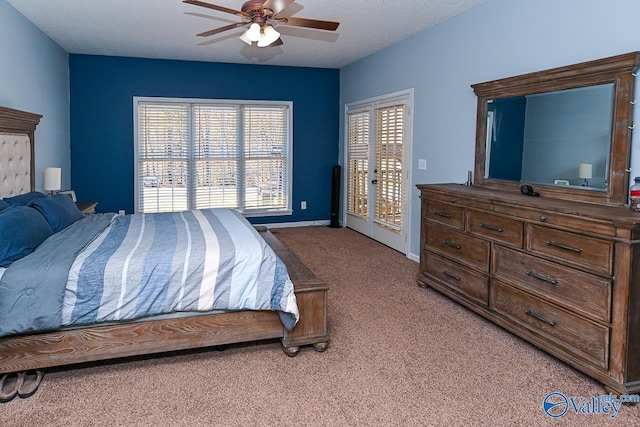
562 275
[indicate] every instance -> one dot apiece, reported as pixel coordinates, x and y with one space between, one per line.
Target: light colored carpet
399 356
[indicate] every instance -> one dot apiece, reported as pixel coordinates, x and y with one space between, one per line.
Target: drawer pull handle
541 277
540 318
565 247
492 227
450 275
451 244
442 214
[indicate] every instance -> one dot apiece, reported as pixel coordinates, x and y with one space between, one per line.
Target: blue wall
499 38
34 77
102 91
507 145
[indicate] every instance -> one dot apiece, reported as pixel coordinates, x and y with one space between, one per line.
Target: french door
377 160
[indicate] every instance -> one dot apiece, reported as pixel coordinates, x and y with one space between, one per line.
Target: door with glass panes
376 170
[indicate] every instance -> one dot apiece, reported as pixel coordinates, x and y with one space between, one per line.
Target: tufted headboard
17 133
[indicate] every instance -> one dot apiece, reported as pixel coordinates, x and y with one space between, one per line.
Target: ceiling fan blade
309 23
276 6
221 29
216 7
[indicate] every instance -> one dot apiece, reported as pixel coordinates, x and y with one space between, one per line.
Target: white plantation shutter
163 157
389 164
217 156
358 163
195 155
265 155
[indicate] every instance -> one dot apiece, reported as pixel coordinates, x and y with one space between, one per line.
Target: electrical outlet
303 204
121 212
422 164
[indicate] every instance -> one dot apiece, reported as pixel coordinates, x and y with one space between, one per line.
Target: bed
35 350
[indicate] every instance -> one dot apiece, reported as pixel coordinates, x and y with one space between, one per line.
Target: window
194 154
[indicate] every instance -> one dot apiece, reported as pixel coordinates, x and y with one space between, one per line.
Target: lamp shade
244 38
253 33
269 36
585 171
52 179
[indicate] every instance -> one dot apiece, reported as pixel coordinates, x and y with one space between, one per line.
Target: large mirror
557 138
565 131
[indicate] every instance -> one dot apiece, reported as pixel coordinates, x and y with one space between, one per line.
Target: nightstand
87 208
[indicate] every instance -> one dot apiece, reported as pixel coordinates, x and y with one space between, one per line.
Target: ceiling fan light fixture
253 33
269 35
244 38
261 15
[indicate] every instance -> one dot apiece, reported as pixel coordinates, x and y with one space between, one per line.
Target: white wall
497 39
34 77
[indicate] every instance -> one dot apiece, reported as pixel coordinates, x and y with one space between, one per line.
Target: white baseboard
296 224
413 257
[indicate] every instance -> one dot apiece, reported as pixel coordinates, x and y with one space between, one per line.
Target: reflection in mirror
561 137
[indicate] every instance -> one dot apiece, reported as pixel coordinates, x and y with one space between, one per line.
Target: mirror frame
617 70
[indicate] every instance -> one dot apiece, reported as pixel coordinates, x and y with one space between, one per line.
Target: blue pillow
3 205
22 229
24 199
59 211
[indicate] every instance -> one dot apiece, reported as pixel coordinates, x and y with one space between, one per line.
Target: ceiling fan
262 16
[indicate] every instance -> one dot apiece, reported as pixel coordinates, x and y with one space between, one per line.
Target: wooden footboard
311 294
38 351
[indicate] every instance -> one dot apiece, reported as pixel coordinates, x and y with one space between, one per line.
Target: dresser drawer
445 213
563 220
467 249
495 227
580 336
589 253
473 285
579 291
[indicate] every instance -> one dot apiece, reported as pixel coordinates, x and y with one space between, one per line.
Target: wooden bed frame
43 350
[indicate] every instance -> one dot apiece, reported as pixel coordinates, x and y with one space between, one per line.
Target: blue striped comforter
148 264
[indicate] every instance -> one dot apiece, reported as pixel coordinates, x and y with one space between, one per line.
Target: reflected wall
543 138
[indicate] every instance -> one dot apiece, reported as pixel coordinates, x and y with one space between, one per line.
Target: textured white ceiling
167 28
